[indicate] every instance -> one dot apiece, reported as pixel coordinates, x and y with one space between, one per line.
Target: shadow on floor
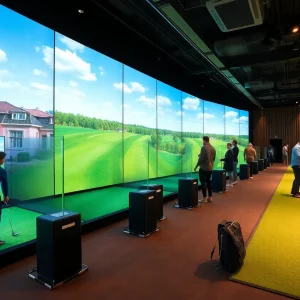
207 271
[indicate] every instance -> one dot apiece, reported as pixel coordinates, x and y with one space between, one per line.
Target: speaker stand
188 207
140 234
35 276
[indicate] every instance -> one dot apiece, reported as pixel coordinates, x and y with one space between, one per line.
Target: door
277 145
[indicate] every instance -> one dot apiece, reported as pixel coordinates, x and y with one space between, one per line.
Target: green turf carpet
23 222
90 205
273 256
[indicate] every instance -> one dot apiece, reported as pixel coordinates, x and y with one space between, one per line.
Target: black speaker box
58 246
188 192
219 181
142 212
255 167
244 171
159 199
266 163
261 163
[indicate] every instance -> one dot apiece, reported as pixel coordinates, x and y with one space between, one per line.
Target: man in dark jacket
228 163
3 180
206 160
236 151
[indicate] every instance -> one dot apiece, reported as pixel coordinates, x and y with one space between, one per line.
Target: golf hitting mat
23 222
273 258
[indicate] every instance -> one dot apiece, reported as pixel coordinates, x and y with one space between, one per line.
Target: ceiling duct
259 85
243 45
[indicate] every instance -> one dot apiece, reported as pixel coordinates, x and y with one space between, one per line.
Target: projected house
25 128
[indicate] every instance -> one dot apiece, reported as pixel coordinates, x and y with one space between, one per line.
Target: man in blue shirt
295 163
3 181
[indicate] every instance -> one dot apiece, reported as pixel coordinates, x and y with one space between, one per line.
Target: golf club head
15 234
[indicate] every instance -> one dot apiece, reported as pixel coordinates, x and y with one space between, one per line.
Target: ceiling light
80 11
295 29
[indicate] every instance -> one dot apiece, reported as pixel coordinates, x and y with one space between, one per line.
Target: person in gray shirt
206 160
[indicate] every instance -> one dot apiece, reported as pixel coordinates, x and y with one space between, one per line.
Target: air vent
233 15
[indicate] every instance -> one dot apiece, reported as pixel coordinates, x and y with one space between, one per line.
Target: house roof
6 107
35 117
38 113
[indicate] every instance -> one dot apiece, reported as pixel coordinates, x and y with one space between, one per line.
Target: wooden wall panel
271 122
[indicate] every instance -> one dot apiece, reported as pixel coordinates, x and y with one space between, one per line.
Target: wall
283 122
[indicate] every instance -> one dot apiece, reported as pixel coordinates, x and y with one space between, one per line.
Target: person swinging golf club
4 185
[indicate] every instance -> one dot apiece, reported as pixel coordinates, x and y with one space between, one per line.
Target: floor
172 264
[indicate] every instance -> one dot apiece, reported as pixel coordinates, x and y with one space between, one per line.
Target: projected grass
93 158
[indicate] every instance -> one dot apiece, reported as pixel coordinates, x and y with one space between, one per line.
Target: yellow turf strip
273 254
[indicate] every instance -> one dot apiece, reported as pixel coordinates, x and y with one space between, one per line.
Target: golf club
13 233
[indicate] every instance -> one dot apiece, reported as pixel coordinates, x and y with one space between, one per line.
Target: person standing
271 153
236 151
4 184
228 163
206 160
250 156
295 163
285 152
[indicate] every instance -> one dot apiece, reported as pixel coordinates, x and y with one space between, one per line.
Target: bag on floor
232 250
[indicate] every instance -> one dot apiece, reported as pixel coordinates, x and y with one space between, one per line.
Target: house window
16 139
51 121
19 116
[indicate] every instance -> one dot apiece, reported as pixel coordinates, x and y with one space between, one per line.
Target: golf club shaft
9 218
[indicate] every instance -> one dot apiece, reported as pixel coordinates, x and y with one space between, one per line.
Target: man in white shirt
285 154
295 163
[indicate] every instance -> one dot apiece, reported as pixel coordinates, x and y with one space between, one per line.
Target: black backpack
232 250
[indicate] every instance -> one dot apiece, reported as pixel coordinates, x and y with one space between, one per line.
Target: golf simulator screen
99 123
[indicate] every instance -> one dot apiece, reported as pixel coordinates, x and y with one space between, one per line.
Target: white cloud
3 56
68 62
179 113
118 86
73 45
102 72
73 83
137 87
163 101
9 84
231 114
242 119
39 73
150 102
4 74
134 87
205 116
37 49
191 103
41 87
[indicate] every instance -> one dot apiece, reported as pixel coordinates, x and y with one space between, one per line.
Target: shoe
2 243
235 182
296 196
209 199
229 185
204 200
250 177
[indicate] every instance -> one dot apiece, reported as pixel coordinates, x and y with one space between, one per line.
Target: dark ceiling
264 59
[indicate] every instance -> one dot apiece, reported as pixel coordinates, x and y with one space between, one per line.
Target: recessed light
80 11
295 29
